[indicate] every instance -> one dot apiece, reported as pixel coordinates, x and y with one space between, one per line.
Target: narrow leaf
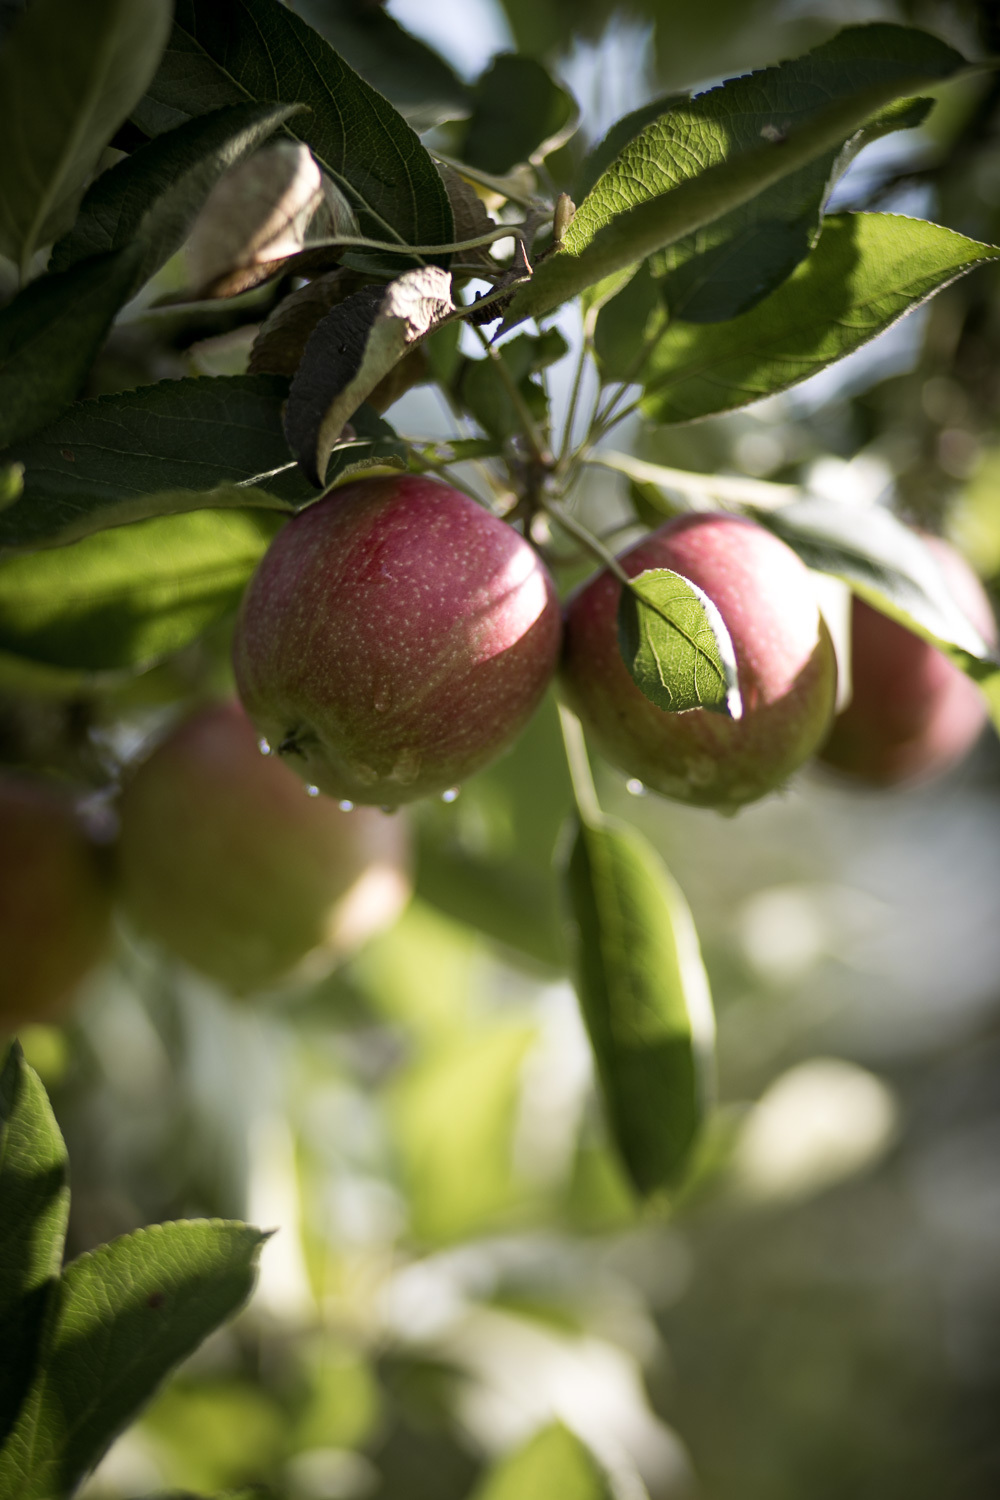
50 334
645 1000
69 75
676 646
659 189
350 351
519 113
416 79
34 1206
123 1316
123 599
866 272
155 194
121 458
235 51
553 1465
282 338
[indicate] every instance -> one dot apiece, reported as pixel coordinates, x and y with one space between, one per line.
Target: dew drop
264 746
346 806
312 791
451 795
634 787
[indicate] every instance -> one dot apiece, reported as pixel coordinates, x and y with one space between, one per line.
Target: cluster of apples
396 637
394 640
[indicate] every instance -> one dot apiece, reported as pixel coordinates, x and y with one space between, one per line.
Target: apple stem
584 790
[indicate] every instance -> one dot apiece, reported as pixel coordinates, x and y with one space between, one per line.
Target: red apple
226 860
394 639
912 713
55 904
785 660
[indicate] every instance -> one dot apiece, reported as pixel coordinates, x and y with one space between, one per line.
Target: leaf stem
360 242
582 534
762 494
578 761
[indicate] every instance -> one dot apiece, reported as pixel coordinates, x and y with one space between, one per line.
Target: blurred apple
912 712
55 902
225 859
394 639
785 660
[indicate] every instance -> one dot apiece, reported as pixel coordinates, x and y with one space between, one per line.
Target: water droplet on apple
264 746
346 806
451 795
634 787
312 791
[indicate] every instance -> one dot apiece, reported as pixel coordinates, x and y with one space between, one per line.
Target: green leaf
519 113
234 51
485 395
69 75
160 448
350 351
622 131
122 599
414 78
669 181
729 265
49 335
866 272
627 327
645 1000
11 484
890 567
676 646
155 194
553 1465
122 1317
34 1207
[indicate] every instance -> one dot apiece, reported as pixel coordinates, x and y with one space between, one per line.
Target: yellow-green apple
912 712
225 859
784 656
55 902
394 639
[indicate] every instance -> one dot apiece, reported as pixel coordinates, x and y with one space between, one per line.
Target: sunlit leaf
122 1317
676 646
553 1465
123 598
866 271
35 1205
672 179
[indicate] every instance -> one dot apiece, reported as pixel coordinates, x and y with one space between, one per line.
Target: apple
785 660
55 902
913 713
225 859
394 639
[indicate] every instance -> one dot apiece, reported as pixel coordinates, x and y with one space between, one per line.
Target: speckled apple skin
912 714
224 858
785 661
394 639
55 903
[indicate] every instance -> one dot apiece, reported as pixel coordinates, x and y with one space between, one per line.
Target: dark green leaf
553 1465
154 194
69 75
50 334
645 1000
627 326
122 599
350 351
484 393
418 82
118 459
237 51
34 1205
670 180
123 1316
866 271
676 646
519 113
